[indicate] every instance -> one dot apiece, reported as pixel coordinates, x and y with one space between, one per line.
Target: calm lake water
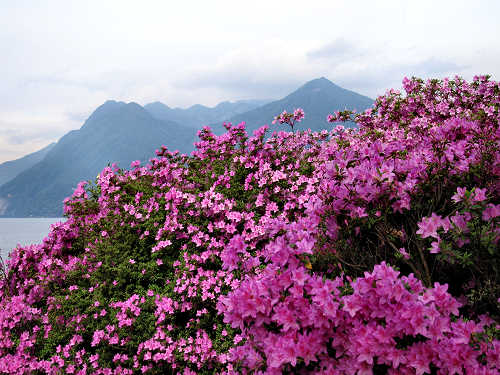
24 231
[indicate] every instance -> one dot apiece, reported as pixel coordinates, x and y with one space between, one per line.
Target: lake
24 231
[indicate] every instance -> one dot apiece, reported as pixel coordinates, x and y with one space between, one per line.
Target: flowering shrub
344 252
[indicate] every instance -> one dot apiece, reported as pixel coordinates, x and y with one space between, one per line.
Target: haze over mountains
120 133
11 169
115 133
317 98
199 115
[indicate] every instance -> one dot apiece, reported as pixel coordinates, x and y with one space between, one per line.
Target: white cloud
61 59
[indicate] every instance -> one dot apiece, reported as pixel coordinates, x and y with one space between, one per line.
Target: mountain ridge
318 97
112 134
199 115
11 168
119 132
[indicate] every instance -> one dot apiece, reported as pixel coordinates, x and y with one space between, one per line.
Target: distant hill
115 133
11 169
198 115
318 98
118 132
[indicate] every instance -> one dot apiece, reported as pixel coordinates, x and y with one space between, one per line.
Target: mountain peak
318 98
157 105
319 83
107 107
111 104
135 106
111 111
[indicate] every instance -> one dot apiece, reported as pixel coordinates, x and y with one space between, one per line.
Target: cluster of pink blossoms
290 118
351 251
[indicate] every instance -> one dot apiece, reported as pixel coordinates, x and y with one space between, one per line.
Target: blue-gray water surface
23 231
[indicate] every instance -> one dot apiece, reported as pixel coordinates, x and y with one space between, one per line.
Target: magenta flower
428 226
491 211
435 247
290 118
404 253
298 114
459 195
479 195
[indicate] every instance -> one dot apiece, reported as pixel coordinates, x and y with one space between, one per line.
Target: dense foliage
369 251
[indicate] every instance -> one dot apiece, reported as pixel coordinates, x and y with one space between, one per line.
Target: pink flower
459 195
428 226
403 252
491 211
289 118
460 222
479 195
435 247
97 337
298 114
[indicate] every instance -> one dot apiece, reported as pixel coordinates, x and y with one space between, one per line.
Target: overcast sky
62 58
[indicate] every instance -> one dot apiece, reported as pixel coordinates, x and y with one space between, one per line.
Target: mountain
318 98
198 115
115 133
118 132
11 169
